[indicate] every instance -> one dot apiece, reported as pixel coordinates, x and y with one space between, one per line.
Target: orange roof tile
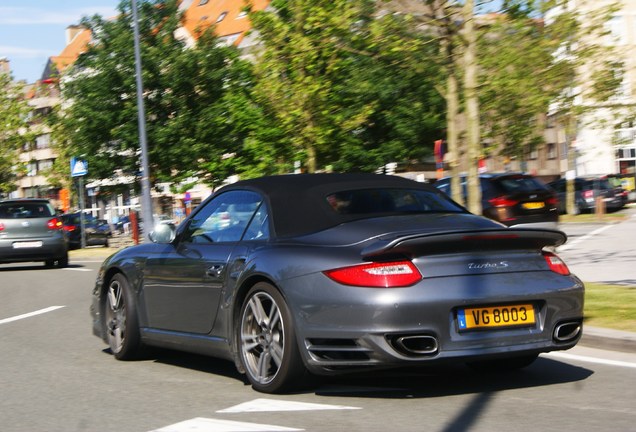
226 15
72 51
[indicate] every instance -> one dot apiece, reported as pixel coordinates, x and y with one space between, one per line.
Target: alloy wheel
262 337
115 316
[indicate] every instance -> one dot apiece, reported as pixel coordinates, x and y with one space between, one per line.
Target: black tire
59 262
121 320
267 342
63 261
504 364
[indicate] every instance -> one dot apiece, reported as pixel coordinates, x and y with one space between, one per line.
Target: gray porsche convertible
313 274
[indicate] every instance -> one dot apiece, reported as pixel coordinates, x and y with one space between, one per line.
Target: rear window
25 210
520 184
371 201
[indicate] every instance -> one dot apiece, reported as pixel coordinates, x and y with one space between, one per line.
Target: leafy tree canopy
14 134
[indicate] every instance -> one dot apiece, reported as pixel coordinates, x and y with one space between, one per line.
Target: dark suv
30 230
513 199
587 190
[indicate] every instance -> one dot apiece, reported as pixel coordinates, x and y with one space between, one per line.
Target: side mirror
163 233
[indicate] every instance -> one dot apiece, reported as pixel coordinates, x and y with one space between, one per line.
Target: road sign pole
81 206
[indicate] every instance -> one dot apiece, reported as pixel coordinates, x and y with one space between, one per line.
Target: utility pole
146 199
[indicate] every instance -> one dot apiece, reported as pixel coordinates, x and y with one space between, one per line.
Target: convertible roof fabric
298 202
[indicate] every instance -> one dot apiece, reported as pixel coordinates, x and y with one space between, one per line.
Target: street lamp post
146 200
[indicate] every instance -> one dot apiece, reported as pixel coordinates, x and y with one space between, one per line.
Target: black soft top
298 202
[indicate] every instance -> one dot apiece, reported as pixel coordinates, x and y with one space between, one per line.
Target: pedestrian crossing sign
78 167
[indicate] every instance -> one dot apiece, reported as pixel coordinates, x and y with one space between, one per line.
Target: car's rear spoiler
461 241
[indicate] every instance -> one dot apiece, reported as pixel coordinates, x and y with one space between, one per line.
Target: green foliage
13 130
346 89
186 96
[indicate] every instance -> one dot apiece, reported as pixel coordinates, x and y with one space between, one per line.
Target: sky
31 31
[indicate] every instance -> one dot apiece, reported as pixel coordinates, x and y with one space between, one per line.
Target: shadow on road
422 382
448 381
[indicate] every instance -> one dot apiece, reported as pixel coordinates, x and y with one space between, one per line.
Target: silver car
30 230
332 273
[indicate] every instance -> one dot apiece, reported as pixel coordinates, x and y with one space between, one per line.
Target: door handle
215 270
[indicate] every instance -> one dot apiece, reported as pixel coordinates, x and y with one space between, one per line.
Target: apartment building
604 140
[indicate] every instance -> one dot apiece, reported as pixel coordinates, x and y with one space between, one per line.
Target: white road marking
78 269
592 359
201 424
86 261
585 237
30 314
264 405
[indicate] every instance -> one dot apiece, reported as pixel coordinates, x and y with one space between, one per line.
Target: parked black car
513 199
586 190
31 231
97 232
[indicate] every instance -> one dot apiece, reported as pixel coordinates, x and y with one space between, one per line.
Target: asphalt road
602 252
56 376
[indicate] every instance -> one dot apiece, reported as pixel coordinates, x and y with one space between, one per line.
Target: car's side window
259 226
224 219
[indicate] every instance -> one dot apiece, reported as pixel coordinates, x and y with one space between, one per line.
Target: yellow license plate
533 205
496 316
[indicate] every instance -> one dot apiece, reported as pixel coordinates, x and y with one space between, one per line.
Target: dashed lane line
30 314
584 238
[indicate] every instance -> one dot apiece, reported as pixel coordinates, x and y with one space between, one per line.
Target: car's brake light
556 264
552 201
69 228
55 224
377 275
502 201
588 194
1 226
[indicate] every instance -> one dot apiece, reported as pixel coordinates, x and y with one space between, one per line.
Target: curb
608 339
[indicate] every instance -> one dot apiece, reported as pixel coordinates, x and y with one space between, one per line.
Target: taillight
556 264
1 226
552 201
69 228
502 201
588 194
55 224
377 275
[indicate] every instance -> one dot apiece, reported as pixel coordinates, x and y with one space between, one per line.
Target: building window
242 14
45 164
43 141
534 154
221 17
551 151
616 29
203 2
229 39
32 169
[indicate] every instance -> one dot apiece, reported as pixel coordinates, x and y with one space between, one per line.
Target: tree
186 97
338 81
14 133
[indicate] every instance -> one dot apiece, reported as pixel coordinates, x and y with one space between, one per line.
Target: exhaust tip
567 331
415 345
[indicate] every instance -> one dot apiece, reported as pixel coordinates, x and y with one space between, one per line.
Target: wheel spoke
263 367
276 351
256 307
274 317
250 341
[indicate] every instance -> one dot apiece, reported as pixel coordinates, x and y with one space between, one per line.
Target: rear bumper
52 248
365 329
